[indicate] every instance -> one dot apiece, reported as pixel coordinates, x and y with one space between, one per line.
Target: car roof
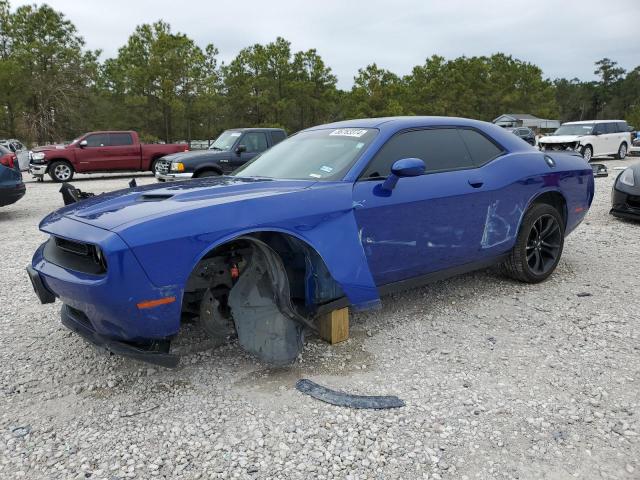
399 123
588 122
256 129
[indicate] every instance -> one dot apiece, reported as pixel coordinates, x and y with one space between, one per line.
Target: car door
94 156
253 143
123 153
427 223
600 140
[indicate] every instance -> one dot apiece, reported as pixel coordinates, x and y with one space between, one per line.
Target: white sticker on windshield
324 168
349 132
236 134
315 175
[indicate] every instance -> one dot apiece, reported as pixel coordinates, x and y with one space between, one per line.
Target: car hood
44 148
112 210
186 157
560 139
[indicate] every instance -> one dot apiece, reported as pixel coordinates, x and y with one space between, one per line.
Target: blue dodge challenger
337 215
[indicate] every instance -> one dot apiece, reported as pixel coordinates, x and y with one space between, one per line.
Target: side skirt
440 275
418 281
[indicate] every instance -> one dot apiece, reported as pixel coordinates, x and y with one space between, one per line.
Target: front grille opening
73 247
74 255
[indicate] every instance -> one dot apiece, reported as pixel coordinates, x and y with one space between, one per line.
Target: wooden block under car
334 326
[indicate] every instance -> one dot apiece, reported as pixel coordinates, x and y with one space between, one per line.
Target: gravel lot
500 379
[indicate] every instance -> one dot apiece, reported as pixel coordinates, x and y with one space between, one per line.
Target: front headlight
177 167
38 156
627 178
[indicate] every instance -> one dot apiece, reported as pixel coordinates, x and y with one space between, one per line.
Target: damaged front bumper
560 147
155 352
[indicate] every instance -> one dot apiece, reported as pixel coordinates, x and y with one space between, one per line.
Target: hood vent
154 197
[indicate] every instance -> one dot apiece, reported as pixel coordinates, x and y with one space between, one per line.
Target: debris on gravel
501 380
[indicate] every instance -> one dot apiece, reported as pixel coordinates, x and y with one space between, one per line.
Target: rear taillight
7 160
186 149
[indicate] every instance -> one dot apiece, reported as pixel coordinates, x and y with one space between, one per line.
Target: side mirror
83 144
407 167
240 149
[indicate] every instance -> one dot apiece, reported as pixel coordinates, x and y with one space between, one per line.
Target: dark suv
11 187
231 149
524 133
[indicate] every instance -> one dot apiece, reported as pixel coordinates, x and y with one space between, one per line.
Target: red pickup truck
98 152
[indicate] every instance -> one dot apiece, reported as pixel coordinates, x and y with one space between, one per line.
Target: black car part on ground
600 170
342 399
71 194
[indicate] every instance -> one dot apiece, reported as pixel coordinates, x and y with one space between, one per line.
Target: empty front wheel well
310 283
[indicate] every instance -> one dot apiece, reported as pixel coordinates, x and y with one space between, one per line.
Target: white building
526 120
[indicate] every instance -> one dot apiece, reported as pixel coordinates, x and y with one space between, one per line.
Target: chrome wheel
587 153
62 172
543 244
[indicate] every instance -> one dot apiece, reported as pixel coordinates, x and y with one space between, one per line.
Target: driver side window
255 142
97 140
441 149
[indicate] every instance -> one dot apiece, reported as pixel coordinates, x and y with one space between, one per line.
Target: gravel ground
501 380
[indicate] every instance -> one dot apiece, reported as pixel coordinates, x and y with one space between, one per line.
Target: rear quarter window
277 137
482 149
120 139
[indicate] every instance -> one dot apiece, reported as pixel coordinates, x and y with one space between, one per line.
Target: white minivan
592 138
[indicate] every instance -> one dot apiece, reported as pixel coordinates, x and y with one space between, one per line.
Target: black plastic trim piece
43 293
341 399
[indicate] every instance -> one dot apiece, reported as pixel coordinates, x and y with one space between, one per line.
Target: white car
592 138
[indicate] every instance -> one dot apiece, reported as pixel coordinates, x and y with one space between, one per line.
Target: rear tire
622 151
538 246
154 163
61 171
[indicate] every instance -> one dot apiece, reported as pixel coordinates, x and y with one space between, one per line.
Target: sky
563 37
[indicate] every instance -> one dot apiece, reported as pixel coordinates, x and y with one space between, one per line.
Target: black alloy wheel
543 244
538 246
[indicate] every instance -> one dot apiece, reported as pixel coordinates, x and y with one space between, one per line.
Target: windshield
574 129
314 155
226 140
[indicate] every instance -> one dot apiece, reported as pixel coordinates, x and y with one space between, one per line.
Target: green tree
376 93
43 71
268 85
158 74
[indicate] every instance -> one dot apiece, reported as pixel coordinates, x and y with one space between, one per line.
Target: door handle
476 182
